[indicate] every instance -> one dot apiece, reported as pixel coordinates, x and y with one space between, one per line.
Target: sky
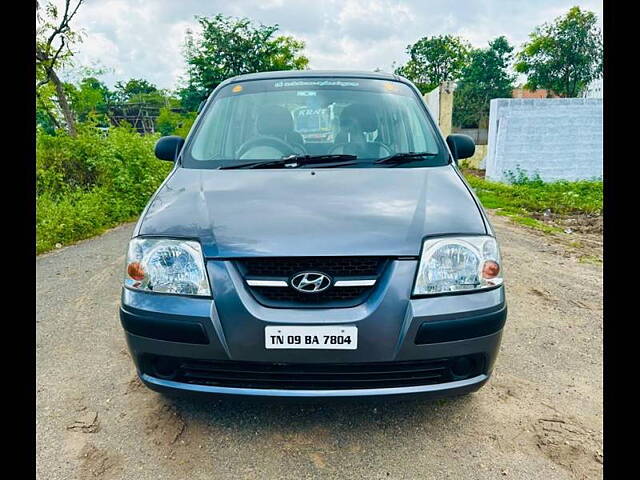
144 38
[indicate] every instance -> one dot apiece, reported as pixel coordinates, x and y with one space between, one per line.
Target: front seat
276 121
356 120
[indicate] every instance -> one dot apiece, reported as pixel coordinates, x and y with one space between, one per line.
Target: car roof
313 73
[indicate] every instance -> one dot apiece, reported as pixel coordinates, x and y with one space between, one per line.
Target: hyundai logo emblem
310 282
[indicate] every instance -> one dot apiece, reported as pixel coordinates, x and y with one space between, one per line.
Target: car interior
278 124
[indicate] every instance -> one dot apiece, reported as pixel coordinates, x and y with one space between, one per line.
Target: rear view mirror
168 148
461 146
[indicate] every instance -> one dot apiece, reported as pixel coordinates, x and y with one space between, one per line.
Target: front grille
315 376
334 266
338 268
289 295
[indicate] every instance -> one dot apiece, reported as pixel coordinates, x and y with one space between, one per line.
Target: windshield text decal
315 83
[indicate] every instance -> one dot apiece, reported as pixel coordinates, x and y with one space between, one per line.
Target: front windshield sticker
316 83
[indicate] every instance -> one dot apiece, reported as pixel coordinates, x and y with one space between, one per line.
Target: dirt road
540 416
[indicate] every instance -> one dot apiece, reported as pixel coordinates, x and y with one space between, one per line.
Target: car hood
305 212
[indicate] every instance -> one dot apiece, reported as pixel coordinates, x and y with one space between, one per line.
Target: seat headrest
359 114
274 120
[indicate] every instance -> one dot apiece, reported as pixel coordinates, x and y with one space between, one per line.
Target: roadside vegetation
536 204
92 182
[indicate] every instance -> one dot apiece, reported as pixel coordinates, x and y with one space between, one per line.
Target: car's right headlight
166 265
461 263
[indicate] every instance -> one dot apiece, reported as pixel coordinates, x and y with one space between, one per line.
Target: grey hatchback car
315 238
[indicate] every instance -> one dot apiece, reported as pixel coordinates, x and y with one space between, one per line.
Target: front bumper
458 387
392 329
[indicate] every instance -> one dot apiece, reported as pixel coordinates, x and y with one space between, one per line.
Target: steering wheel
340 148
268 141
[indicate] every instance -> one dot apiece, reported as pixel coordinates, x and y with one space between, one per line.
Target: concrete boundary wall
432 100
556 138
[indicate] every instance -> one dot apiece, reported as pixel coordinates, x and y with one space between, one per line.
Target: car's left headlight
166 265
453 264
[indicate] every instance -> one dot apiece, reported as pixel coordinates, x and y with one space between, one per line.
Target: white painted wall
595 89
433 103
557 138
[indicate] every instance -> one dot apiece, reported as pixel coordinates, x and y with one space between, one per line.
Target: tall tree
89 99
485 77
140 91
132 88
46 109
435 60
54 39
229 46
564 56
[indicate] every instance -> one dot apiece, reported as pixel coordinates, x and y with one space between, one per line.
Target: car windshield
266 120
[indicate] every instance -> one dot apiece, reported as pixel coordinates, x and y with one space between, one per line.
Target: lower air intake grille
318 376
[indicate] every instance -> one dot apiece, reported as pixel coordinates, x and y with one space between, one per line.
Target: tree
46 109
134 87
140 91
54 39
564 56
89 100
231 46
285 54
435 60
485 77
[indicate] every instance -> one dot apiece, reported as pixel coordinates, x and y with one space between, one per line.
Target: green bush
89 183
172 123
185 126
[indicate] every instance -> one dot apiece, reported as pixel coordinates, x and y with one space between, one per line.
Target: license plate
311 337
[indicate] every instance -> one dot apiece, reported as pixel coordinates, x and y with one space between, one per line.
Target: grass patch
592 259
562 197
77 216
522 219
524 199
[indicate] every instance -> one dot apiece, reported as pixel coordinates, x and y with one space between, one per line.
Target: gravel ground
540 416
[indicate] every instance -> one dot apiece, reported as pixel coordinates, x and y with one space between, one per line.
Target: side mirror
461 146
168 148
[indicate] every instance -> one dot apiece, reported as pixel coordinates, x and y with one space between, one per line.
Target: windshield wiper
403 157
293 161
